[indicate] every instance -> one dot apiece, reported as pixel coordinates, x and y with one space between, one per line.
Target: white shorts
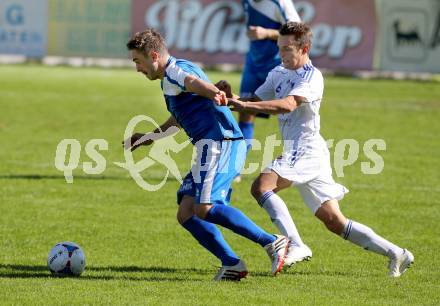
319 190
312 175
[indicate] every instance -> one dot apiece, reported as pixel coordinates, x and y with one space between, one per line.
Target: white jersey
305 160
299 128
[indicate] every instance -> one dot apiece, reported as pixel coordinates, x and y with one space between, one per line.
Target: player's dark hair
301 31
148 40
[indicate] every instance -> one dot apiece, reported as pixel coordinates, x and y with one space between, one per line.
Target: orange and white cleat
277 253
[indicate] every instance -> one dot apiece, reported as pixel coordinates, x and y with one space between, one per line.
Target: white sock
366 238
280 216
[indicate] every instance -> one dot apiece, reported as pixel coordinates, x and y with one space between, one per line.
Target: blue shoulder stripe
309 77
309 70
174 81
191 68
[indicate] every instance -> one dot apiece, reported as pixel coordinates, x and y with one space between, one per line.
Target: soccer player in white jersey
203 198
263 20
294 91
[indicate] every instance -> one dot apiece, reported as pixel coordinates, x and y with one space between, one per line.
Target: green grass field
136 251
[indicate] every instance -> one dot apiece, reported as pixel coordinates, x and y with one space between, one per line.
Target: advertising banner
409 39
344 32
23 27
206 31
214 32
89 28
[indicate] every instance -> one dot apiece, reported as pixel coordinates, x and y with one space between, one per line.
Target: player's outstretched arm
205 89
223 85
168 128
281 106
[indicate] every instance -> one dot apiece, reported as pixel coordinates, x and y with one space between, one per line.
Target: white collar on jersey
170 59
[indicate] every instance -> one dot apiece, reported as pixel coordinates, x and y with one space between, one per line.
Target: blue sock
239 223
247 129
209 236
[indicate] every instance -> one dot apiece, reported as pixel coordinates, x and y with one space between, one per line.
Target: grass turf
138 254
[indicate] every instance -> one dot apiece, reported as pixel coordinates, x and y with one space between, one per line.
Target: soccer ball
66 258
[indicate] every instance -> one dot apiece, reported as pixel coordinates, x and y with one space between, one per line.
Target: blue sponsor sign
23 27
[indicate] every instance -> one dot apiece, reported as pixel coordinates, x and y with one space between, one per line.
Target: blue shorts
217 164
253 77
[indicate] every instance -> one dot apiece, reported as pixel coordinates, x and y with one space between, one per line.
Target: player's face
291 56
146 64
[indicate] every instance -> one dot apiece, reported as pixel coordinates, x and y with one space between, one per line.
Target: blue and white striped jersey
200 117
269 14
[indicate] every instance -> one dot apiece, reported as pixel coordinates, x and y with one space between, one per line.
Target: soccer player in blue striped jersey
195 105
263 20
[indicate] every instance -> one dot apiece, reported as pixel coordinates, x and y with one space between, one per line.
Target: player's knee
185 211
201 210
179 218
201 214
256 190
183 216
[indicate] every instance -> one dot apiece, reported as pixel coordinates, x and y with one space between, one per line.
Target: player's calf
330 214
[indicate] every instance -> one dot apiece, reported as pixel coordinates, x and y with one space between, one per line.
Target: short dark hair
148 40
301 31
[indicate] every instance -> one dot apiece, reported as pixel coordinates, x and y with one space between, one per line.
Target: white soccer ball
66 258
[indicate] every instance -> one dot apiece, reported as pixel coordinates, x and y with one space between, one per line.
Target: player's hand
256 33
220 98
137 140
224 86
237 105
